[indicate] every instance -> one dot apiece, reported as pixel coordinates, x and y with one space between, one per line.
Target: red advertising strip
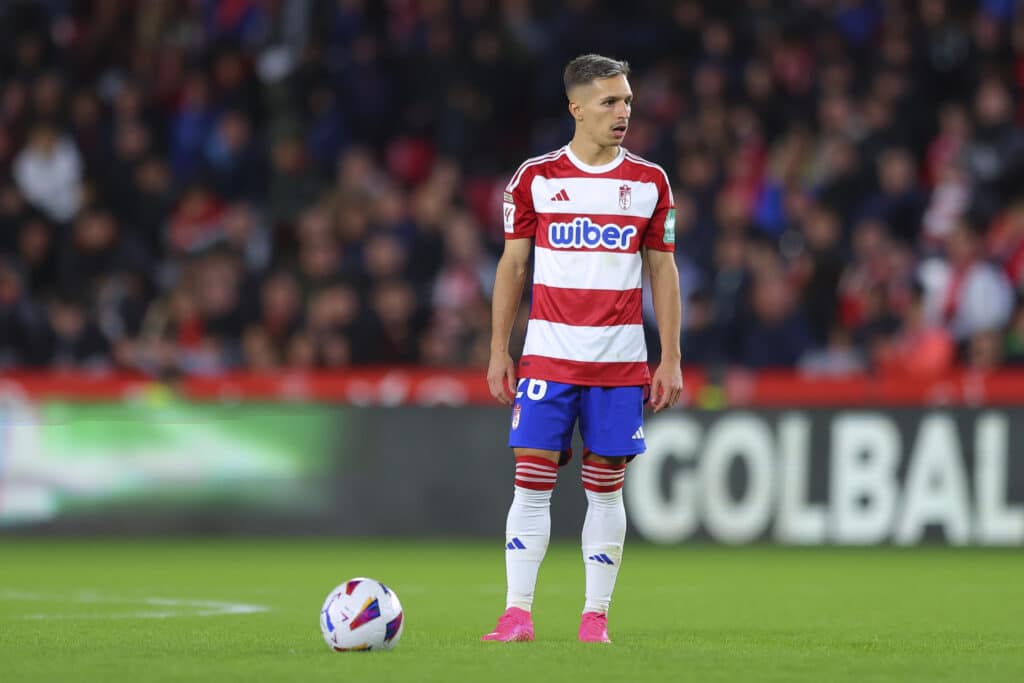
430 386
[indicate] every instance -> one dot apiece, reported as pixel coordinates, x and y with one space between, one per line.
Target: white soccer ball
361 614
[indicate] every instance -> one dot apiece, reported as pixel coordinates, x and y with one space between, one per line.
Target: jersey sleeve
661 231
518 217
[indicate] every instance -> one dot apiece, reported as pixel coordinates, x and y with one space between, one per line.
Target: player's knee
552 456
618 462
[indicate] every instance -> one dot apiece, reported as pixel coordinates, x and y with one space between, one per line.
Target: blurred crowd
190 186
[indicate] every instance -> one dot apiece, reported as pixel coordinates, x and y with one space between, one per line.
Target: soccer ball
361 614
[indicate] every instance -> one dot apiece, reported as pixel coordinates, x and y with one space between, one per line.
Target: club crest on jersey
515 416
625 197
582 232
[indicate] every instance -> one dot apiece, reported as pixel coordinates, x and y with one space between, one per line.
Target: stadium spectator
73 339
22 324
777 335
293 185
976 296
48 171
97 250
700 339
837 358
898 203
37 252
919 347
818 268
280 311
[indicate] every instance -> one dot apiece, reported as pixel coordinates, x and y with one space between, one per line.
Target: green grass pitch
144 610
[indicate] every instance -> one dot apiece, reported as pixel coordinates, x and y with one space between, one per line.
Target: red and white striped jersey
588 224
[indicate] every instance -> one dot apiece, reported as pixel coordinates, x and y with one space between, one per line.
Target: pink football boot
513 626
594 628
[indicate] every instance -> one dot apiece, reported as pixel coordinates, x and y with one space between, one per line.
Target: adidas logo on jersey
583 233
562 196
639 433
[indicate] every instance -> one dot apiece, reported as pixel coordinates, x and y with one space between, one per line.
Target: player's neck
591 153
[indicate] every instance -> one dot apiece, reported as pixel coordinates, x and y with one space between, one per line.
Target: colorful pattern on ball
370 611
393 627
327 617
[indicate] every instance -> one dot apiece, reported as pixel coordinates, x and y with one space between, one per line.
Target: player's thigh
612 420
543 415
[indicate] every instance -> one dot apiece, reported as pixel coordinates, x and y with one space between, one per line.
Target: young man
591 213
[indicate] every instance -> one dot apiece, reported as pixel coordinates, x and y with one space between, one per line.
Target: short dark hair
587 68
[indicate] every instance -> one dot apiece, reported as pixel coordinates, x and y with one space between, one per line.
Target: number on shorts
535 389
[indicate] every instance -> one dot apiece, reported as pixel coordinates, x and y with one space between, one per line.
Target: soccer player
591 213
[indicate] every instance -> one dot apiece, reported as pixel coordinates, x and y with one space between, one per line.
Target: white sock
528 529
604 532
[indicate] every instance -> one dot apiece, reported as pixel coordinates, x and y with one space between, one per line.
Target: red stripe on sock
602 477
536 468
535 485
605 474
602 489
535 460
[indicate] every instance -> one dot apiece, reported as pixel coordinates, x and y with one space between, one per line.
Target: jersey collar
603 168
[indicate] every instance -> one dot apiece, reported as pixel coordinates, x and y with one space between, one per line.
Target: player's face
602 109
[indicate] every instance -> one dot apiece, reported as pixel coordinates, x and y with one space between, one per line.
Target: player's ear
575 95
575 110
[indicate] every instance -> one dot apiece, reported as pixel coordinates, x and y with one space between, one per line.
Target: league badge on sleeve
509 213
625 197
670 227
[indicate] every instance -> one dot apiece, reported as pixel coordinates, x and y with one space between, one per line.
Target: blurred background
226 225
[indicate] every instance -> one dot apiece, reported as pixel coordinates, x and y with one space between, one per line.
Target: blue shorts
611 418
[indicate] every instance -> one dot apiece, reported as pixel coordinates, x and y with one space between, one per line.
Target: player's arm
509 281
667 383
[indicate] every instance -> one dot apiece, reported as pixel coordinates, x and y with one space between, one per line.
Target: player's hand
501 378
666 386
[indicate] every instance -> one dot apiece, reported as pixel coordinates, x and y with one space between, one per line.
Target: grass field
247 610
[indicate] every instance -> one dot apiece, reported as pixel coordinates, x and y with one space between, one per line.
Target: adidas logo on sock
515 544
602 558
562 196
639 433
